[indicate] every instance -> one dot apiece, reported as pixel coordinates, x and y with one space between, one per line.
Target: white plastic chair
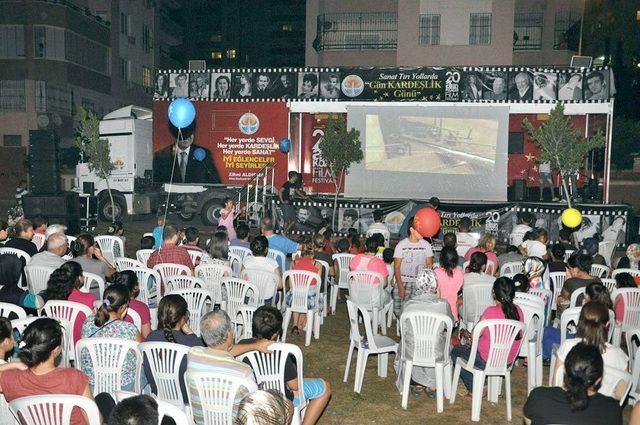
7 308
196 300
634 393
606 249
91 280
143 255
53 409
531 348
135 318
164 360
545 294
513 267
569 317
342 277
196 256
37 278
325 277
171 269
575 295
379 345
490 268
557 280
632 272
107 357
477 298
17 252
567 254
611 284
237 292
39 239
280 258
426 330
240 251
631 320
385 233
235 263
366 289
70 239
111 246
21 324
502 334
216 394
124 263
212 275
244 321
528 297
145 276
266 282
183 282
600 271
164 409
67 310
298 282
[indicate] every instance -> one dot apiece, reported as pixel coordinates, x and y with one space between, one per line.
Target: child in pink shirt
450 278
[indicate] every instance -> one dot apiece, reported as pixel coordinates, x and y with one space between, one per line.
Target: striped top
204 359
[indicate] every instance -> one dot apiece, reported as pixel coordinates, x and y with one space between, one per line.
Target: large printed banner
390 84
229 143
610 221
315 173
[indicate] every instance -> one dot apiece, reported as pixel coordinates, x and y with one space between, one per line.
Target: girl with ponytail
593 329
40 347
129 279
107 322
173 327
504 291
87 253
578 401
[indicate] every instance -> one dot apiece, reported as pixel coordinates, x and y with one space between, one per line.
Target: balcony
357 31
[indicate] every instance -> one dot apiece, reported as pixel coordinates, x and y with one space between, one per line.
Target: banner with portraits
390 84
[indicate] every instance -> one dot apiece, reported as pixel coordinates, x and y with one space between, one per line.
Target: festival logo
352 86
248 123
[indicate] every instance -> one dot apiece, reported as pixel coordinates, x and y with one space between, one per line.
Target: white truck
130 134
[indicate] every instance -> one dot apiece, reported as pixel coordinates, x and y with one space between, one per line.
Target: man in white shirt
518 232
259 260
378 226
536 247
465 239
52 257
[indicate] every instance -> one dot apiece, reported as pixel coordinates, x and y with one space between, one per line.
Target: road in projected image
435 145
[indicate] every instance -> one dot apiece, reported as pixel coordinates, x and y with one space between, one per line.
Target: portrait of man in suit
193 163
522 88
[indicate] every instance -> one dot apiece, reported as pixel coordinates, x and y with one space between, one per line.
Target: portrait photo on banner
472 85
570 85
221 85
199 84
545 85
308 85
179 84
242 85
520 85
329 85
161 86
596 85
495 85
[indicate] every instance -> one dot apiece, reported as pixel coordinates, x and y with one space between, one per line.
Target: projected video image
438 145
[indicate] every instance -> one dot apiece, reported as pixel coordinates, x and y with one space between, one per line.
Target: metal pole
264 185
584 6
607 157
255 192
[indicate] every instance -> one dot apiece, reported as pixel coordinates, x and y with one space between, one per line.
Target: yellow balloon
571 217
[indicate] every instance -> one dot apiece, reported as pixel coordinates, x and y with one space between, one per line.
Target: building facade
440 32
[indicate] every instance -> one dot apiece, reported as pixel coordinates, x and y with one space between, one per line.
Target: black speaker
519 190
44 166
63 208
516 142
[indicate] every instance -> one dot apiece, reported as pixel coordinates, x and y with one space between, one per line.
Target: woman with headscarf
534 269
424 298
11 270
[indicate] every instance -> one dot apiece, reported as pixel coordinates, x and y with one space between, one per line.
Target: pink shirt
491 256
82 298
618 308
448 287
495 312
142 309
370 263
227 222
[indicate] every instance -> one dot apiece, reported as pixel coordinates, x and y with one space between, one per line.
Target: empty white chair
569 317
631 319
598 270
502 333
531 347
244 318
37 278
53 409
17 252
164 360
216 394
111 246
183 282
149 284
212 275
379 345
366 288
266 282
557 280
92 280
6 309
280 258
164 409
477 298
39 239
69 311
124 263
342 277
606 249
632 272
513 267
299 284
107 357
238 292
196 300
171 269
426 330
240 251
143 255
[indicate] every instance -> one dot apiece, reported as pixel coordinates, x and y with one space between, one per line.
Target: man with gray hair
57 246
218 357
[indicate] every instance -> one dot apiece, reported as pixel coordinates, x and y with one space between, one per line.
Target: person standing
545 176
287 192
227 215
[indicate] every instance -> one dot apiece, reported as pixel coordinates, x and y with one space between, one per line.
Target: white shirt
377 226
612 357
535 248
466 241
260 263
517 234
545 167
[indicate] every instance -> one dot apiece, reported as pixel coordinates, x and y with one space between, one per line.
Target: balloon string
173 167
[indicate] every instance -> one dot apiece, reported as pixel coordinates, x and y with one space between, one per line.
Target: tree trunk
564 182
113 204
337 182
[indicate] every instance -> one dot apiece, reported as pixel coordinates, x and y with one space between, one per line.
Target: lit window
231 54
216 55
147 77
287 27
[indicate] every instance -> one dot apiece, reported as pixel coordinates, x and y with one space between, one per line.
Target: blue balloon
181 112
199 154
285 145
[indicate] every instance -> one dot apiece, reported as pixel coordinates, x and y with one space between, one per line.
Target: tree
339 149
95 151
561 144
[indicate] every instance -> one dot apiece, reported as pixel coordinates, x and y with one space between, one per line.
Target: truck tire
210 212
186 216
104 208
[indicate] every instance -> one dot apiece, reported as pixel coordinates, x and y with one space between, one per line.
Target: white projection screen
415 152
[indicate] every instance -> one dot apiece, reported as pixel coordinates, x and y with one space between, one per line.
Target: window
12 97
11 41
49 42
480 28
88 105
350 31
231 54
87 53
59 99
146 38
565 24
124 24
527 31
41 96
12 140
430 29
287 27
147 77
124 69
216 55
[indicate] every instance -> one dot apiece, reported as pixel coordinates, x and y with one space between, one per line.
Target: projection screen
415 152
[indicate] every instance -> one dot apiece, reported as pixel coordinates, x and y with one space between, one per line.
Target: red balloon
427 222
